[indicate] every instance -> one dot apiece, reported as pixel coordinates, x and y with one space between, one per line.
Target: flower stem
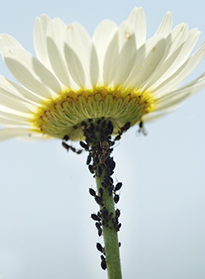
110 234
98 142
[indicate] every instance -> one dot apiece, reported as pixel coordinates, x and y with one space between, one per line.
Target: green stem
97 133
110 235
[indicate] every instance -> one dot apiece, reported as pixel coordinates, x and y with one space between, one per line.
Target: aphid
103 124
95 217
110 172
119 226
114 223
110 163
110 127
122 130
84 145
92 192
72 148
116 198
141 128
118 137
118 186
91 168
99 120
79 151
89 159
91 128
65 145
98 200
110 190
103 184
104 212
119 244
98 171
103 262
108 180
101 191
99 214
99 231
97 128
98 225
66 138
125 127
99 247
117 213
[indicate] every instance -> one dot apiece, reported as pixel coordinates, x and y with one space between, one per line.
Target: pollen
63 115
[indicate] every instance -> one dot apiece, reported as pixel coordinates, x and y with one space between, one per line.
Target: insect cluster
101 165
105 218
98 143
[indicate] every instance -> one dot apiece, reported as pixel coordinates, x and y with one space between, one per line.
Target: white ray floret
116 74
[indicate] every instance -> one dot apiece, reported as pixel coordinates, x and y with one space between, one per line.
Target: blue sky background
45 225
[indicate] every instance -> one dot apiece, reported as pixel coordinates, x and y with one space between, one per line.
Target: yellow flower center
63 115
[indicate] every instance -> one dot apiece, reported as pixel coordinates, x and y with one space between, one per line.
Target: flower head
116 74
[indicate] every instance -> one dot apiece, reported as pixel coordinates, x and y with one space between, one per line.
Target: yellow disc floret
63 115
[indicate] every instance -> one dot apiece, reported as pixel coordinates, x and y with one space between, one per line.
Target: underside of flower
63 116
116 74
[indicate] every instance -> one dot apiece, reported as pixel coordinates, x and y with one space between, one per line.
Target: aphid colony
101 219
101 165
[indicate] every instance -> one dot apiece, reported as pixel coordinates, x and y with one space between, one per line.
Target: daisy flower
117 74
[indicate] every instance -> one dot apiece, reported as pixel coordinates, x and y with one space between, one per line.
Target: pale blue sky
45 225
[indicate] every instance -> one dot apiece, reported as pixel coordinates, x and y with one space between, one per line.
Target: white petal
39 38
189 89
173 81
79 41
15 104
94 67
187 47
101 39
56 31
126 61
171 101
7 41
149 65
169 104
173 63
157 114
74 66
111 61
125 31
176 97
179 35
138 21
11 88
30 72
7 133
196 84
165 26
12 122
13 116
140 57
